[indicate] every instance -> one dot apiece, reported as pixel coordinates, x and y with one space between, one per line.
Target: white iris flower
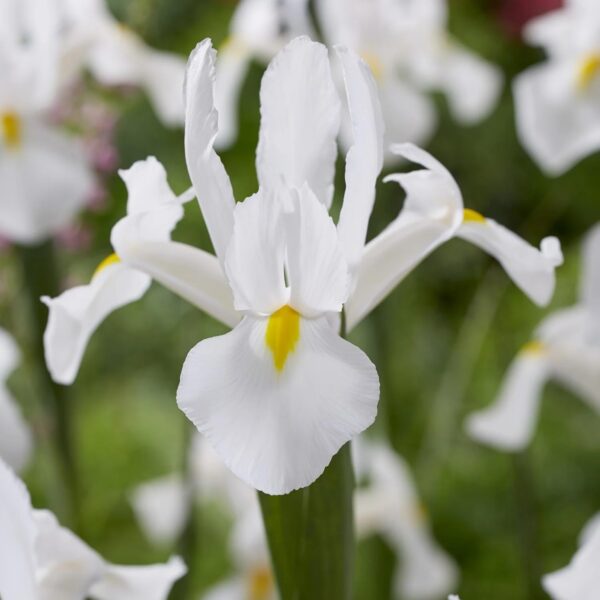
558 119
566 347
580 580
279 395
15 436
40 560
411 53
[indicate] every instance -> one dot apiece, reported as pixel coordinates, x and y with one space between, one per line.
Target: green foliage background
442 342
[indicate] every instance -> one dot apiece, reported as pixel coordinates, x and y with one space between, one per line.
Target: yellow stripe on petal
233 44
10 124
109 260
472 216
283 333
374 63
260 584
533 348
588 69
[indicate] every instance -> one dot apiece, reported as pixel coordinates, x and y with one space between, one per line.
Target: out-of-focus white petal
277 429
44 182
17 539
211 182
16 443
10 356
151 582
76 313
589 529
409 114
590 278
300 119
66 567
163 77
531 269
557 123
160 508
235 588
255 257
471 84
509 423
580 580
233 60
365 157
317 271
431 215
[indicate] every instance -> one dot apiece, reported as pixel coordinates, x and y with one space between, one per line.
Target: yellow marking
111 259
283 333
11 129
420 514
374 63
472 216
533 347
588 69
260 584
234 45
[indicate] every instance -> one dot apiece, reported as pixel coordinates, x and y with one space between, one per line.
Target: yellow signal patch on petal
109 260
588 69
473 216
260 584
534 347
374 63
283 333
10 124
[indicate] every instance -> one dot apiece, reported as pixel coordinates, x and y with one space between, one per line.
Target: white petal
431 214
557 125
278 430
76 313
16 443
316 268
590 279
530 269
472 84
66 567
17 539
152 582
10 356
300 119
580 580
255 257
44 184
164 74
409 114
160 508
364 159
510 422
208 175
235 588
233 61
189 272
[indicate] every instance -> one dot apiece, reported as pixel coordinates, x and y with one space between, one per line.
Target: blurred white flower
44 176
580 580
557 101
389 506
411 54
40 560
566 347
15 436
386 505
153 210
286 270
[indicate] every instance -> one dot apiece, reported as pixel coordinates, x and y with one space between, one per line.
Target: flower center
473 216
111 259
283 333
588 69
10 125
260 584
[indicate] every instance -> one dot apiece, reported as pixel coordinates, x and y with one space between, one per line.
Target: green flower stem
311 535
40 276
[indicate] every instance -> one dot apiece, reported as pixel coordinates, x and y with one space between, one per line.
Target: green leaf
311 535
